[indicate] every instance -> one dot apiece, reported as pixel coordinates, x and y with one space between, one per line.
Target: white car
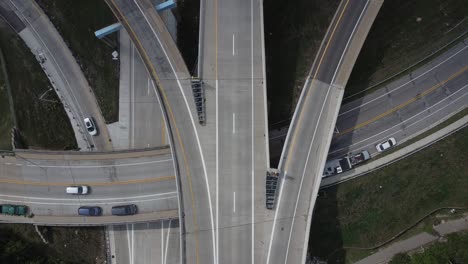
90 126
78 189
386 144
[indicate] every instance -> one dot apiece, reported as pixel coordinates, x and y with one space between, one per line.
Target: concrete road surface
311 129
146 243
62 70
232 68
141 122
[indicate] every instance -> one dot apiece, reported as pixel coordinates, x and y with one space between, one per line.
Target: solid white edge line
162 242
133 243
217 170
194 128
253 132
265 107
128 243
84 199
132 93
167 241
100 166
104 203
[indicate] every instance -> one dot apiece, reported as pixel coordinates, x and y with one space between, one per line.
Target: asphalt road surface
406 107
311 130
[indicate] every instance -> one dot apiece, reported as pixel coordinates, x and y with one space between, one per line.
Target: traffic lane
379 129
235 172
302 172
413 123
153 242
69 207
198 212
94 172
410 90
452 60
392 101
333 50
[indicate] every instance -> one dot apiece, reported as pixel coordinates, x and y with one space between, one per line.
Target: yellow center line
293 144
171 115
136 181
398 107
329 40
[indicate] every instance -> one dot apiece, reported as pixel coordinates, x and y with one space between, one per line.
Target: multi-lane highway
405 107
232 68
39 180
311 129
64 73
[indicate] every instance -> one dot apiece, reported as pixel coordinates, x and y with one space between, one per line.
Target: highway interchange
215 174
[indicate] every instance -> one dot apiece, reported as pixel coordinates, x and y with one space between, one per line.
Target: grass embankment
371 209
396 42
76 22
43 124
293 33
21 244
6 122
455 250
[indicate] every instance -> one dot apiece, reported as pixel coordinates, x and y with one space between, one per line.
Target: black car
130 209
90 211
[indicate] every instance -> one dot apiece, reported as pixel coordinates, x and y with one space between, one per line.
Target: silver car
90 126
386 144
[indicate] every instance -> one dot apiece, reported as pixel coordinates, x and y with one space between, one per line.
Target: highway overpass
38 180
309 136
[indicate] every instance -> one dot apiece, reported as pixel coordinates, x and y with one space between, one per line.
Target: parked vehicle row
120 210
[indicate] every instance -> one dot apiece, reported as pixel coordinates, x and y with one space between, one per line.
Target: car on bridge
90 126
122 210
10 209
90 211
77 189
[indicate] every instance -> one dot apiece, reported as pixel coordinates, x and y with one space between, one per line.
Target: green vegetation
76 22
455 251
396 42
21 244
293 33
6 122
372 209
42 124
